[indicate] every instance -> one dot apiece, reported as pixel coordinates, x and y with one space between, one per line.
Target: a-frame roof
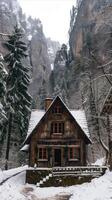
38 115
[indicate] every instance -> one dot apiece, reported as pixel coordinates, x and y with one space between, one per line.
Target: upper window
42 153
57 109
57 127
74 153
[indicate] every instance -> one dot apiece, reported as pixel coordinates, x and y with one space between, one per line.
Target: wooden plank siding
71 136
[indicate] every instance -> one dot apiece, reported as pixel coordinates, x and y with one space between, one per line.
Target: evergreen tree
3 75
18 80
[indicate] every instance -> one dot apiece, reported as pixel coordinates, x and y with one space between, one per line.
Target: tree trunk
109 144
8 141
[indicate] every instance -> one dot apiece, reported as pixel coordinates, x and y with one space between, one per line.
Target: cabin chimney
48 102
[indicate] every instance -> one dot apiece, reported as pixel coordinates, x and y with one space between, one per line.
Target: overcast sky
54 14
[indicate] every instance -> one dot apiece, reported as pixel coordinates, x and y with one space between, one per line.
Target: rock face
38 59
53 47
77 75
90 46
58 84
80 79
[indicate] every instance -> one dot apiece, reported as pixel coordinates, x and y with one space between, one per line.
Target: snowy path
6 179
16 189
28 193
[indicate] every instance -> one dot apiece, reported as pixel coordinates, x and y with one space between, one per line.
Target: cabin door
57 157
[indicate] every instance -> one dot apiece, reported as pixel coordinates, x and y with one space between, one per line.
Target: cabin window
57 127
74 153
57 109
42 153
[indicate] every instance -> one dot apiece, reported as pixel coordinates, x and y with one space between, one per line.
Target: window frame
74 148
57 110
44 150
57 127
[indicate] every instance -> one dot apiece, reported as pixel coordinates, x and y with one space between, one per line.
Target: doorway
57 157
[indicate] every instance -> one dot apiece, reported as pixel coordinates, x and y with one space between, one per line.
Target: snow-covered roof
36 116
79 116
25 147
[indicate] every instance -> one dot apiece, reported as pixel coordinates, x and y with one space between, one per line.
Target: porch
58 152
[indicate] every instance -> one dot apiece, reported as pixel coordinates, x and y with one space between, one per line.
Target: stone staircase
84 171
41 182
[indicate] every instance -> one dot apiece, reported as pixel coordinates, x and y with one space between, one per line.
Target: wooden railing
93 171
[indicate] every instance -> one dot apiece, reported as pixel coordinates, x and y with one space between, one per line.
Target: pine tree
18 80
3 75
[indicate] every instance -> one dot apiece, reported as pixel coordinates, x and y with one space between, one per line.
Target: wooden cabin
57 136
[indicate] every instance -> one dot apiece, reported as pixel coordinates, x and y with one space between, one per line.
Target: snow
1 106
25 147
29 37
80 117
16 189
36 116
99 162
62 63
5 71
50 51
52 66
5 174
4 6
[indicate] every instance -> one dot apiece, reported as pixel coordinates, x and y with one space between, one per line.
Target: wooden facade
57 139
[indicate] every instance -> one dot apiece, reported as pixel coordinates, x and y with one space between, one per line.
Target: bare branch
105 64
4 34
103 145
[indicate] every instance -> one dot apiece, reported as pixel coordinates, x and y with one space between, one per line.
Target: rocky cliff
38 59
80 75
84 78
90 47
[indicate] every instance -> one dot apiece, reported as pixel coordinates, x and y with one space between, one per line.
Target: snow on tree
3 75
18 80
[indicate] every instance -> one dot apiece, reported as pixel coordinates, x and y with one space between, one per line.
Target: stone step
44 180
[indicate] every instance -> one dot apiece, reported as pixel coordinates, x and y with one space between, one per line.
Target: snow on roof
36 116
80 117
25 147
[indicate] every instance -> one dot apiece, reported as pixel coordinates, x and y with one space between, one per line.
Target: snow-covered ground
16 189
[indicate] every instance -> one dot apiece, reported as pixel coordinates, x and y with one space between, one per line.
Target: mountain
39 53
78 73
82 76
90 49
53 47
